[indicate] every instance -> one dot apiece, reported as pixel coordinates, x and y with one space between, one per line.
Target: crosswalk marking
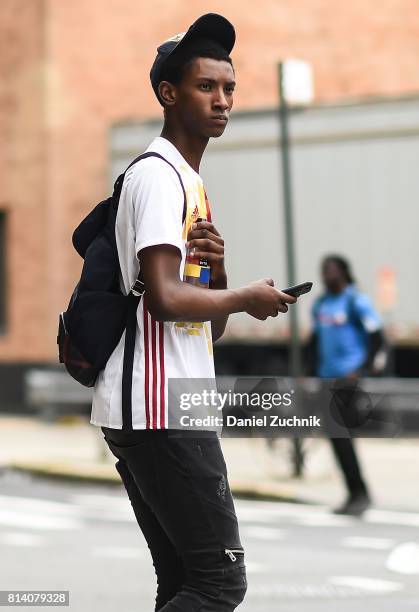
368 543
100 500
38 505
302 591
18 538
262 533
260 521
374 585
324 519
404 559
316 515
29 520
382 517
256 568
62 512
119 552
32 513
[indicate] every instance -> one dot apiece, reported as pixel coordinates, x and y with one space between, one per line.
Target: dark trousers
178 487
346 457
345 406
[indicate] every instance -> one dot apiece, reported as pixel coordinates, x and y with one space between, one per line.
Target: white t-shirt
150 213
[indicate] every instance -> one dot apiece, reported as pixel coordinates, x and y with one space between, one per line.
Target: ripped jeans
178 487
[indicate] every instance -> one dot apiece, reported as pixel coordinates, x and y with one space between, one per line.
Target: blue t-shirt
342 323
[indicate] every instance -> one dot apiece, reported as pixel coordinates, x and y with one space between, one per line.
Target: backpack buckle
137 287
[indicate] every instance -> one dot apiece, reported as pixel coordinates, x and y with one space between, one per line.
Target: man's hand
208 244
264 301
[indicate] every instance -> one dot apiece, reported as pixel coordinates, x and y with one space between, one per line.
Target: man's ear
167 93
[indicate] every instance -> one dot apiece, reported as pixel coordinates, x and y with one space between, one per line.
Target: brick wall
22 193
70 69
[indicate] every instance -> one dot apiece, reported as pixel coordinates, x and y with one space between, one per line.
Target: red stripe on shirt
207 205
154 362
146 366
162 375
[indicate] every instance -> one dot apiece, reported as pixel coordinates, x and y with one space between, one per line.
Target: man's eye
205 85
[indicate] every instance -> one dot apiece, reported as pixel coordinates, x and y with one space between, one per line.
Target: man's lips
220 118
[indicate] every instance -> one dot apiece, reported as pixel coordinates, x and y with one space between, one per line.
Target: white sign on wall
297 82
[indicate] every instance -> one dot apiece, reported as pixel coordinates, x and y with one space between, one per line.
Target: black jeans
178 487
346 408
346 457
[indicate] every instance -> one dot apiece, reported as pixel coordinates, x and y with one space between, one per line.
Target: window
2 272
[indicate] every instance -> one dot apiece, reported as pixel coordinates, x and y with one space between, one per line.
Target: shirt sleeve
367 314
157 199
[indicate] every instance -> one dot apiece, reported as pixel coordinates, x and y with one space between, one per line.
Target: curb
107 474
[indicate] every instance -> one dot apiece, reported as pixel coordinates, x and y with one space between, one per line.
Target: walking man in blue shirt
347 343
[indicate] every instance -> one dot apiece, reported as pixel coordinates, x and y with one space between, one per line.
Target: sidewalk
73 448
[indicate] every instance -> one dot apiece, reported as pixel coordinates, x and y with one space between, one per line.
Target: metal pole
295 368
294 361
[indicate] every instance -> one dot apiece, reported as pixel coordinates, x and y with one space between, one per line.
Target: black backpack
98 311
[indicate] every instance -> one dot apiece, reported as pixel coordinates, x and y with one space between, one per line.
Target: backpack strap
138 287
119 181
352 312
128 362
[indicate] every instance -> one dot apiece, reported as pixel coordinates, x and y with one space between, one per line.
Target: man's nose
221 100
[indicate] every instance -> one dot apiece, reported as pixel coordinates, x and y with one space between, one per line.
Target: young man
347 343
178 485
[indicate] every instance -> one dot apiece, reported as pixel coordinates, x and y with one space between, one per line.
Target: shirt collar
168 150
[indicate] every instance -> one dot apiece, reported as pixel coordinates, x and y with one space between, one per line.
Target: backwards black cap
212 26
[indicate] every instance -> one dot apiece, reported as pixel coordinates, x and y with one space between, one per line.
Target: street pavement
73 448
300 557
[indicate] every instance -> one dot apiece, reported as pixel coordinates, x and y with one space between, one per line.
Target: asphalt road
300 558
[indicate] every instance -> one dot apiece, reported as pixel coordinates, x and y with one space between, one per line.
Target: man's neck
191 149
338 289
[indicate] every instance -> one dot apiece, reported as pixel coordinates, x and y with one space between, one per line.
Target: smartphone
298 290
